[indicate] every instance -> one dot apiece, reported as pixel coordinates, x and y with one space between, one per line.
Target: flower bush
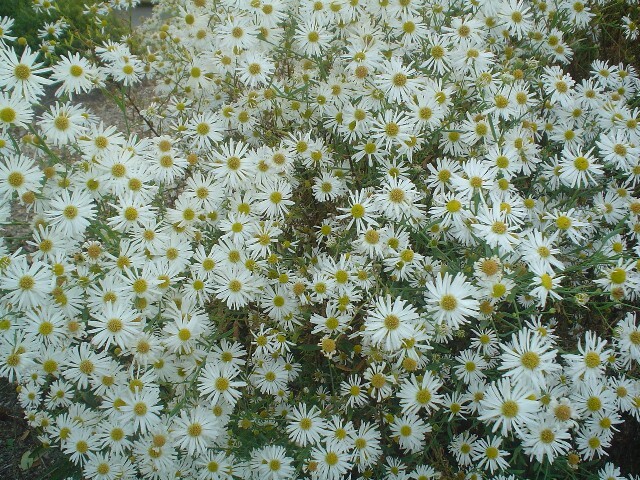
350 239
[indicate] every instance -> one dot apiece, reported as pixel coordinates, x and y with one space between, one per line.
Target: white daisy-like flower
493 228
14 110
232 166
77 75
28 285
410 431
195 430
487 454
218 380
255 69
399 82
590 362
579 169
236 286
397 198
389 322
18 175
71 212
306 426
528 359
362 211
272 463
332 460
115 324
545 437
274 198
6 23
507 406
141 409
417 395
451 300
22 76
204 129
312 39
63 123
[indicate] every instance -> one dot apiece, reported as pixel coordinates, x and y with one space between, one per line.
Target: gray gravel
138 14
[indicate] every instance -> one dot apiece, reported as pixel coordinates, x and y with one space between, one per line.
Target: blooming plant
349 239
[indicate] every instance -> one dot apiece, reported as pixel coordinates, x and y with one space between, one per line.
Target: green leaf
26 460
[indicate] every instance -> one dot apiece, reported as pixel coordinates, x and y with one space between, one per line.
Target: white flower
591 444
416 395
270 377
132 212
462 446
255 69
389 323
312 38
333 462
410 430
82 364
28 285
362 211
184 332
237 31
232 167
327 187
493 228
79 445
236 286
476 176
219 381
590 363
14 110
21 76
46 325
528 359
628 339
127 70
399 82
274 198
392 128
63 123
545 283
470 366
630 28
487 454
545 437
215 466
354 391
141 409
105 143
366 445
19 175
579 169
76 74
204 130
272 463
507 406
397 199
448 300
6 23
537 248
306 426
517 17
116 324
194 431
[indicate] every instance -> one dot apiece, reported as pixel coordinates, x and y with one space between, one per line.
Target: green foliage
81 32
609 40
27 21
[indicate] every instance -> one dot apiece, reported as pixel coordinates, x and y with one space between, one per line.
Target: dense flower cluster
354 239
